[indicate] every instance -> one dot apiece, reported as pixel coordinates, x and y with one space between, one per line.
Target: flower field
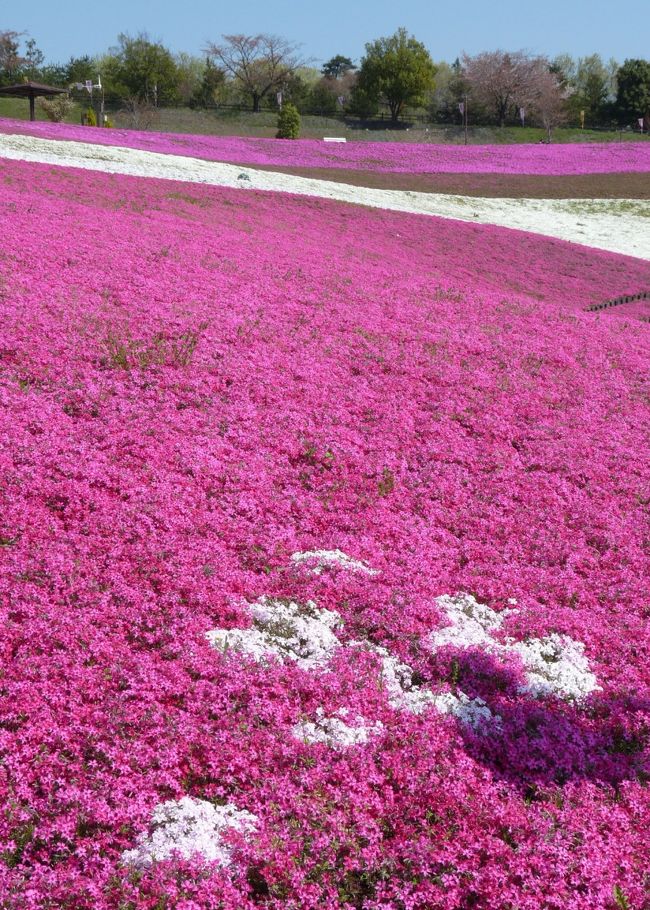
324 547
389 157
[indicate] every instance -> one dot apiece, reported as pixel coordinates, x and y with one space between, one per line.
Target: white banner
641 122
461 107
279 99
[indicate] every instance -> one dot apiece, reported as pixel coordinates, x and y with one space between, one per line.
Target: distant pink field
389 157
197 383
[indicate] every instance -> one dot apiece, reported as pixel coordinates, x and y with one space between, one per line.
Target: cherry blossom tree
503 80
259 64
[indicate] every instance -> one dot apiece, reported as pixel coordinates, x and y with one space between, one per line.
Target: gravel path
620 226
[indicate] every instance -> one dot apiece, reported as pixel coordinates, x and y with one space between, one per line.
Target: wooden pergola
31 90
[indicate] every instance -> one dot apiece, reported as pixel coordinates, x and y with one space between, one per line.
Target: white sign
279 99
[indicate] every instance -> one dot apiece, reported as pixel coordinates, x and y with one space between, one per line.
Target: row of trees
396 75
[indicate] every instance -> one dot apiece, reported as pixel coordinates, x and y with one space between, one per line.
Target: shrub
91 117
288 122
57 109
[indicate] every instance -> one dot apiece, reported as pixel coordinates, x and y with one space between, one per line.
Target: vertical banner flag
89 86
279 99
461 107
522 115
341 100
641 121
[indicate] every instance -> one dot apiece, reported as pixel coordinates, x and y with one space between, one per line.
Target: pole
465 119
32 111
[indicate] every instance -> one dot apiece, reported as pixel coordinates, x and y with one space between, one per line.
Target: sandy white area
620 226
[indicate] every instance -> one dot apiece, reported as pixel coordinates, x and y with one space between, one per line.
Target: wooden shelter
31 90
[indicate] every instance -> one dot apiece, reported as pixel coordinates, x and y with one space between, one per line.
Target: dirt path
506 186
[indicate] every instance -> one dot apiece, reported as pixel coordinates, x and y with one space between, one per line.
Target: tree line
396 78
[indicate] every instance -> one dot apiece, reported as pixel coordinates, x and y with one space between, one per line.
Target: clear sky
613 29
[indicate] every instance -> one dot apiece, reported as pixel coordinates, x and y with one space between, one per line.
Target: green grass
620 207
18 109
264 125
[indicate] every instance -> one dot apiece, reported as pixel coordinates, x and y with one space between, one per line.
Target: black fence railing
617 301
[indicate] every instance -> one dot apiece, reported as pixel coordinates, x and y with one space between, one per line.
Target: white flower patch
472 623
287 630
402 692
397 679
404 695
556 665
318 560
334 732
473 712
188 827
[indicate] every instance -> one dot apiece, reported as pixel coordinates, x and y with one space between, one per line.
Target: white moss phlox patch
333 731
315 561
396 679
556 665
286 630
473 624
473 712
189 827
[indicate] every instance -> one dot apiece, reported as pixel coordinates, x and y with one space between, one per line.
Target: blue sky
323 29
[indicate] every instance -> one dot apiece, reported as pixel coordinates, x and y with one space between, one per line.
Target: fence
617 301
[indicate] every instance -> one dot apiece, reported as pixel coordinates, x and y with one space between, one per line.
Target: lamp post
463 108
101 103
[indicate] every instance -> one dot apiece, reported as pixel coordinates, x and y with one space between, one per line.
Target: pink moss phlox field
385 157
197 383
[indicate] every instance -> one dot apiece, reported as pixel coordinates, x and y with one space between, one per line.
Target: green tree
190 71
587 84
449 91
80 69
363 103
323 98
143 69
397 70
288 122
296 91
55 74
207 93
633 95
33 61
337 67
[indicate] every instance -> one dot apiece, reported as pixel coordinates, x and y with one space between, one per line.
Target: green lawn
245 123
18 109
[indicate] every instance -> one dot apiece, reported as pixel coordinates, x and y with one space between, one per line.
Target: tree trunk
256 103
